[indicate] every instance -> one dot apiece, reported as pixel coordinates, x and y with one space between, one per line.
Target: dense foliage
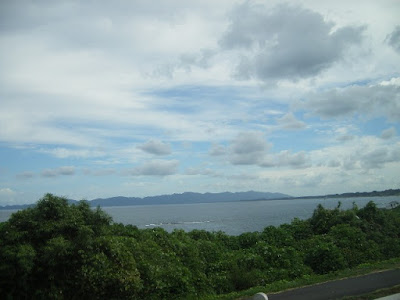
55 250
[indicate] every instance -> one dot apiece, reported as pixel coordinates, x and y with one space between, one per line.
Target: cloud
25 175
100 172
155 168
248 148
201 60
334 163
217 150
345 138
393 39
252 148
289 121
7 196
245 177
377 158
79 83
362 153
61 171
287 42
156 147
373 100
6 192
388 133
200 171
60 70
295 160
60 152
287 159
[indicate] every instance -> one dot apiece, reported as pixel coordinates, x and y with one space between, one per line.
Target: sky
141 98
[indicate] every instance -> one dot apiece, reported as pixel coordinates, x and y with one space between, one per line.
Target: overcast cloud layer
139 98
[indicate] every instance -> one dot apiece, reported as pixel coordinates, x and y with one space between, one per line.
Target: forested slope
57 250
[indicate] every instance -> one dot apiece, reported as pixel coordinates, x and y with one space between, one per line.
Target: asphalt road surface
341 288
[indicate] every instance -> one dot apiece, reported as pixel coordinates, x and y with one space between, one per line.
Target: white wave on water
177 223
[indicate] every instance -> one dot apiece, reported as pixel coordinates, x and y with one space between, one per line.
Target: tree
353 244
55 250
324 256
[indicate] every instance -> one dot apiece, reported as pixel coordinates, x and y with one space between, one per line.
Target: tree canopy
57 250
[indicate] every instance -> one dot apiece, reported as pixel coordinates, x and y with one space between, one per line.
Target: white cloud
286 159
248 148
252 148
7 196
74 153
377 158
371 101
155 168
388 133
100 172
286 42
361 154
200 171
60 171
156 147
6 192
107 84
289 121
217 150
393 39
345 138
26 175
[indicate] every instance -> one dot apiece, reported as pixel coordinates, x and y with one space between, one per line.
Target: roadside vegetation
56 250
308 280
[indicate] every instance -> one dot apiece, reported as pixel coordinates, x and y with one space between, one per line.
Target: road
341 288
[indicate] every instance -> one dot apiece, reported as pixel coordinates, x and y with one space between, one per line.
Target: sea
233 218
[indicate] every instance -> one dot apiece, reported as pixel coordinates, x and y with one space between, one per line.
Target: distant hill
12 207
184 198
385 193
187 198
190 198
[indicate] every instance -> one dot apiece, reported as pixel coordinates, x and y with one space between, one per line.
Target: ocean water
233 218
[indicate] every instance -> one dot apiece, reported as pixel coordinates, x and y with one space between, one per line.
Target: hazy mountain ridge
191 197
187 198
184 198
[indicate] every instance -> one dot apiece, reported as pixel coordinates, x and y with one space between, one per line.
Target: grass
314 279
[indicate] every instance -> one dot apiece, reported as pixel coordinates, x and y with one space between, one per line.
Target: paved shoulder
391 297
341 288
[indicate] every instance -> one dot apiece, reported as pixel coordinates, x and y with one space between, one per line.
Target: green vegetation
57 250
312 279
385 193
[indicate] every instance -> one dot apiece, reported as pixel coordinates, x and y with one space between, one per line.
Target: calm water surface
231 217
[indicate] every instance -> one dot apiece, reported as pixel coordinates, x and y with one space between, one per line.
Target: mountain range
190 198
184 198
187 198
